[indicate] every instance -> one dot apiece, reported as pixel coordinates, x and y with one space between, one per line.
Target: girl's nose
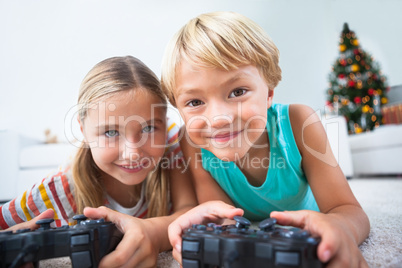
131 151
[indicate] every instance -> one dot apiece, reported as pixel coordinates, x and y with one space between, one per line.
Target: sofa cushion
381 137
45 155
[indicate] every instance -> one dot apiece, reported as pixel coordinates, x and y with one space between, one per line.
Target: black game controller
85 243
238 246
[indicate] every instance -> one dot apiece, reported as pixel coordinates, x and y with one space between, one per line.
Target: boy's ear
270 97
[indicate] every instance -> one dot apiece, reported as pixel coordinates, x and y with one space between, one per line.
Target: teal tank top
285 187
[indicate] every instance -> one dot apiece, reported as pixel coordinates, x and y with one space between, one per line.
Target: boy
220 71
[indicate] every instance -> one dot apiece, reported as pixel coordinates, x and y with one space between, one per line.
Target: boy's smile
224 112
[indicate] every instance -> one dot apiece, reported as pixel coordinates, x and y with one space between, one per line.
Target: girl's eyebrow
116 126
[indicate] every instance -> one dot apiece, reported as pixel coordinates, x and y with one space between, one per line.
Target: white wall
47 47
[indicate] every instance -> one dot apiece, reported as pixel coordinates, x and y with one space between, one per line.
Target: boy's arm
342 224
206 188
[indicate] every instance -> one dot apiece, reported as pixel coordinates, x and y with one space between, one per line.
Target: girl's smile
126 147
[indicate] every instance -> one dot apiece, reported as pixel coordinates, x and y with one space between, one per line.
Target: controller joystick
79 218
241 222
238 246
44 224
267 224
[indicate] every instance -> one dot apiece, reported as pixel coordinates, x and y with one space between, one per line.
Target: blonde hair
104 80
224 40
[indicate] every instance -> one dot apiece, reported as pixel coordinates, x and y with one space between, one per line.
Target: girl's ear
81 127
270 97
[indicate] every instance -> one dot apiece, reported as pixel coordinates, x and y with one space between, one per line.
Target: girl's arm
47 214
342 223
206 188
144 239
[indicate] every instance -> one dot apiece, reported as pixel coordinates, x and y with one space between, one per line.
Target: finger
221 210
209 211
291 218
97 213
47 214
177 256
310 220
144 256
126 248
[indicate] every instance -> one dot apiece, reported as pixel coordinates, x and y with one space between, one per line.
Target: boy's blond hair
223 40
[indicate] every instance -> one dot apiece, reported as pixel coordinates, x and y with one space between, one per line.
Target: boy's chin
229 154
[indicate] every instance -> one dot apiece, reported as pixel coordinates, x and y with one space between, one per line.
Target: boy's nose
220 115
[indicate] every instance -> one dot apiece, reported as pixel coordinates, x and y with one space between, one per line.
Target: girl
220 71
129 161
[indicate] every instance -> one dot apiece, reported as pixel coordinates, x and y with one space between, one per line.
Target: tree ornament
357 100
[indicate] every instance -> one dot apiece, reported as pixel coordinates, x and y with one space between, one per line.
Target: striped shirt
56 191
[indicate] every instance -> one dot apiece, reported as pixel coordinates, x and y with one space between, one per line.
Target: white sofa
378 152
26 161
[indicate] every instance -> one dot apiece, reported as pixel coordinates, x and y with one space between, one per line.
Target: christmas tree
357 89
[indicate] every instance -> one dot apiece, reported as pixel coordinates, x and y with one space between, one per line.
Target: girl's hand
47 214
211 211
136 249
337 247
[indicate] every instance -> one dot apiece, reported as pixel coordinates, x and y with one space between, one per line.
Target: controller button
287 258
89 222
191 263
81 259
79 240
267 224
191 246
263 250
201 227
22 231
211 250
241 222
44 223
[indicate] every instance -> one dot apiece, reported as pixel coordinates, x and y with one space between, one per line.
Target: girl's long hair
109 77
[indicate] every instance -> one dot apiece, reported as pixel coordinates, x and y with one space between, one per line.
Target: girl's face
126 134
224 112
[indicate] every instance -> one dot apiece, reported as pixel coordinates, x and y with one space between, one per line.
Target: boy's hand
47 214
136 248
211 211
337 247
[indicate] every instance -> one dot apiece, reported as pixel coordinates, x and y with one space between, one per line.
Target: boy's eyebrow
231 80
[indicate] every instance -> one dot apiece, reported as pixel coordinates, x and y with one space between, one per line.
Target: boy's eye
148 129
237 93
111 133
194 103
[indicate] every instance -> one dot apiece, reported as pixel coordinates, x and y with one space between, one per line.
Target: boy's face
224 112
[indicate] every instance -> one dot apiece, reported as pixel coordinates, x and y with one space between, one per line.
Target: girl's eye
237 93
148 129
194 103
111 133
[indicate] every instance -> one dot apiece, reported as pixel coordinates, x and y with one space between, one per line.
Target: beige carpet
381 198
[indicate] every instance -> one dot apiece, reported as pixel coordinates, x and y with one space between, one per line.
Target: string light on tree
357 88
